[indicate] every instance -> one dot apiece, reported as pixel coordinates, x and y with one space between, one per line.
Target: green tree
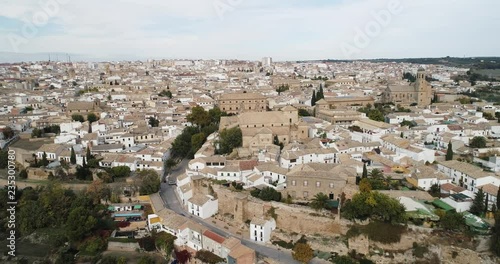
150 182
77 118
79 224
376 174
320 95
365 171
45 162
495 237
4 159
302 252
313 99
91 117
215 115
165 93
199 117
36 133
72 158
453 221
170 163
269 194
376 115
319 201
477 206
153 122
229 139
304 112
120 171
365 185
376 206
449 152
407 123
478 142
165 242
197 141
498 200
88 155
23 174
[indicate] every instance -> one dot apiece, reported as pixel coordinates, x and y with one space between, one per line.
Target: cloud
250 29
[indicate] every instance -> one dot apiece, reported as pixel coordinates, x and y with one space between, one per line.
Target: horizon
249 30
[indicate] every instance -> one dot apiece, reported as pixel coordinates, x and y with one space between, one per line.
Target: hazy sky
251 29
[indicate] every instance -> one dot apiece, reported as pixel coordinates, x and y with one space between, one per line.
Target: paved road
167 193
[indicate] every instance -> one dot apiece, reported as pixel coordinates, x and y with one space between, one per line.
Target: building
260 129
424 177
467 175
267 62
305 181
260 229
83 108
203 206
352 103
419 93
235 103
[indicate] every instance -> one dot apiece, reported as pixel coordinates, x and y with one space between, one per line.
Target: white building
203 206
261 229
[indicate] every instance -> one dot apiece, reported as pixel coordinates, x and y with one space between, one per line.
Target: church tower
423 89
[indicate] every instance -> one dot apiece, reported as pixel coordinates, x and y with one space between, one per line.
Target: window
293 183
331 185
306 194
318 184
305 183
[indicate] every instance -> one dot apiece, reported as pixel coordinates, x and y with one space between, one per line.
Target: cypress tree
449 152
45 162
72 158
88 155
320 94
365 171
486 204
478 203
498 198
313 99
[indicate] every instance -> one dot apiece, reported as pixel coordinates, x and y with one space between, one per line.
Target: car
172 183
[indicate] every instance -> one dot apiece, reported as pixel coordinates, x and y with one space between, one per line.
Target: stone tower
423 89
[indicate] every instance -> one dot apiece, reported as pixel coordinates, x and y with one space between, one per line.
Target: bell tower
423 89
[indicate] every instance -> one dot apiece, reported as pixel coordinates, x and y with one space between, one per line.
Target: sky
249 29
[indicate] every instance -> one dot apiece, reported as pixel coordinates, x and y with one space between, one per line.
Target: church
419 92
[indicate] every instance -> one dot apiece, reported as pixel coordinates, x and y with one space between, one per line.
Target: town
229 161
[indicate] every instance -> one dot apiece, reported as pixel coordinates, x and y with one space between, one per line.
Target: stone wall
290 218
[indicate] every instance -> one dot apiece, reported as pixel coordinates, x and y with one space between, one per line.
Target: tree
215 115
376 115
4 159
313 99
319 201
269 194
453 221
477 206
120 171
478 142
365 171
183 256
45 162
153 122
407 123
83 173
199 117
197 141
165 93
304 112
498 200
320 95
77 118
91 118
449 152
486 203
88 155
170 163
495 237
150 182
365 185
79 223
72 158
8 132
36 133
229 139
165 241
376 206
302 252
376 174
23 174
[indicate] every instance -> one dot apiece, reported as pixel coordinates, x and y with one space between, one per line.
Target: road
167 193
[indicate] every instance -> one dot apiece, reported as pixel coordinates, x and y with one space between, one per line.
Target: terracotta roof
214 236
248 164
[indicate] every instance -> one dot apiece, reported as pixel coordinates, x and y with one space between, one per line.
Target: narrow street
167 193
